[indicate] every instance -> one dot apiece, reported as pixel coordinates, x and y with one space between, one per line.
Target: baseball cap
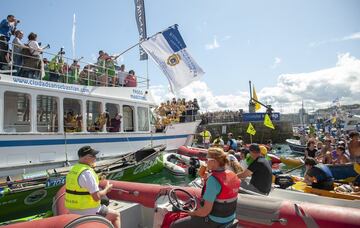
254 147
263 150
85 150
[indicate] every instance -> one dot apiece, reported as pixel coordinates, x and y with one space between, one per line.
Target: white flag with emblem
168 50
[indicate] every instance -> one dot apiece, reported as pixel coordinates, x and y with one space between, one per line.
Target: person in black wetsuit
318 175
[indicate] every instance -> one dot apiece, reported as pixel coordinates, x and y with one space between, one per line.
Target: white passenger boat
34 123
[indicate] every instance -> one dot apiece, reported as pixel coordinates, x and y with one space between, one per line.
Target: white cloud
276 63
354 36
317 89
213 45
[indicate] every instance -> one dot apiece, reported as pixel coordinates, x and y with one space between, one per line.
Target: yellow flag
257 105
333 120
267 122
251 130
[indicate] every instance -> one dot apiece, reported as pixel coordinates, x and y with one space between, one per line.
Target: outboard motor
284 181
194 165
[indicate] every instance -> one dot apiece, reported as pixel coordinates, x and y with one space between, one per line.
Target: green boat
28 198
33 194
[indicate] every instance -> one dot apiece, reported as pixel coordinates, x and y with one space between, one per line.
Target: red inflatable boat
201 153
252 211
65 220
193 152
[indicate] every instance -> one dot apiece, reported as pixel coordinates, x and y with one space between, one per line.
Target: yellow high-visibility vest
76 197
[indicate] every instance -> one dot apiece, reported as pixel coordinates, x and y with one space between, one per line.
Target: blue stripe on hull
46 142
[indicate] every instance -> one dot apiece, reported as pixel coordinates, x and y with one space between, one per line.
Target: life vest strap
77 193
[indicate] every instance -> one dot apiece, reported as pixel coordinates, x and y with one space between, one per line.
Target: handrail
91 74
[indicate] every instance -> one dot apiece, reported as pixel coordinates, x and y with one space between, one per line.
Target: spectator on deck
74 72
32 59
17 48
115 123
130 80
7 29
121 75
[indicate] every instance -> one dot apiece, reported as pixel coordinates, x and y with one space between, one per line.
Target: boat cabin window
95 119
17 112
47 114
114 121
143 118
72 115
128 118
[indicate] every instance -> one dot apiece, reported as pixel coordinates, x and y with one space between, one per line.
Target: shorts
103 211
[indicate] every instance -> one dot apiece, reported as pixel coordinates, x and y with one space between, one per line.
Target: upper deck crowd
28 60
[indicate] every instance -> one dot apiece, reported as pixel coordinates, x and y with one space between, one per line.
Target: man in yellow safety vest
206 137
83 195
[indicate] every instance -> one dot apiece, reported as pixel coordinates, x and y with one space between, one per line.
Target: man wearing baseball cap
83 195
260 172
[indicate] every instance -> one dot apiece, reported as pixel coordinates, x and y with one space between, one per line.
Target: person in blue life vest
318 175
231 141
219 195
83 195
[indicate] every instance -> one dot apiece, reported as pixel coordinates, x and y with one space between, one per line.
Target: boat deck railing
26 62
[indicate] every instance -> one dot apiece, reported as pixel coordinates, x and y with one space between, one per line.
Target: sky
292 51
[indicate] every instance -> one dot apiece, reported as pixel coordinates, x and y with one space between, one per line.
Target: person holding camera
31 57
7 29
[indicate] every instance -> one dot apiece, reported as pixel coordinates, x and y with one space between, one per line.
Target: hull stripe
47 142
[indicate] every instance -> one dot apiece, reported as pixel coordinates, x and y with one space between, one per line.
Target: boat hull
33 152
295 146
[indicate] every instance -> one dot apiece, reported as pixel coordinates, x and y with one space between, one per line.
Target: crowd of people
26 60
176 111
73 122
221 116
326 149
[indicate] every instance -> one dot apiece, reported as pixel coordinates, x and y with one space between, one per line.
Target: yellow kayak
291 162
303 187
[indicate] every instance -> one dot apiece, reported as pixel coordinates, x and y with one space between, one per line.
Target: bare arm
97 195
244 174
203 211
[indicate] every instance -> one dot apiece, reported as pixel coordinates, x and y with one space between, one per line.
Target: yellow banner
267 122
251 130
257 105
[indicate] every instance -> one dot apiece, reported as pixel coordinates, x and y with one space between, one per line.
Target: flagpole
140 42
251 138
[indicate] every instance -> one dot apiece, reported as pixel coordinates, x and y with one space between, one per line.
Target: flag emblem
173 60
